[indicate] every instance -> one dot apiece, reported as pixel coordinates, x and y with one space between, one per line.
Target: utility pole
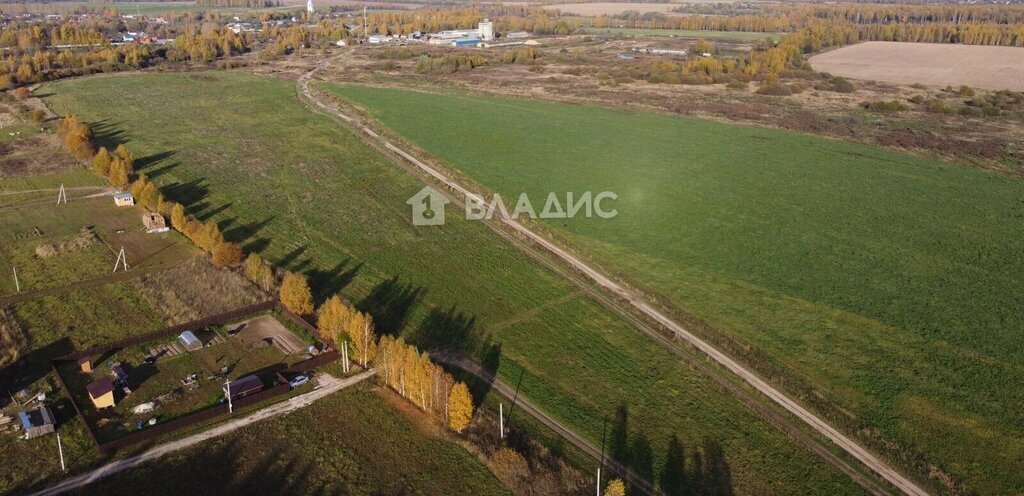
122 260
17 285
501 419
604 429
364 22
60 450
62 197
227 386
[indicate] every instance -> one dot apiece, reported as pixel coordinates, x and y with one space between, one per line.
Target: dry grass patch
12 338
991 67
196 289
84 239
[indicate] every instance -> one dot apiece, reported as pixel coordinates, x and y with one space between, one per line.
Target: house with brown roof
101 392
240 388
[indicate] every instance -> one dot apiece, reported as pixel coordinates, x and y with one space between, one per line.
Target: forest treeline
29 61
974 24
252 4
203 38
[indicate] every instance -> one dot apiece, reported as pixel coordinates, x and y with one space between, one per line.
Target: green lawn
312 197
685 33
71 178
891 284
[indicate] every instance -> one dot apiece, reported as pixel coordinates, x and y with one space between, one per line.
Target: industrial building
466 42
486 30
661 51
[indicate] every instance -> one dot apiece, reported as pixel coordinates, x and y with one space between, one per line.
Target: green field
312 197
889 283
685 33
339 445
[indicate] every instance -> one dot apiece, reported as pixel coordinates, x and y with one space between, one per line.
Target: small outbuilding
118 374
124 199
240 388
101 392
37 422
154 222
85 364
189 340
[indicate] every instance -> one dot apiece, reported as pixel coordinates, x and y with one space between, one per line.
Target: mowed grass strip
311 196
889 283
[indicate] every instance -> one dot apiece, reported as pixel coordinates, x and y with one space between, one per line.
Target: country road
638 303
328 385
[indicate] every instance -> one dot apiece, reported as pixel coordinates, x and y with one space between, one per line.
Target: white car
298 381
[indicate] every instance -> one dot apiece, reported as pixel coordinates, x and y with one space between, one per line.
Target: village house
124 199
101 392
240 388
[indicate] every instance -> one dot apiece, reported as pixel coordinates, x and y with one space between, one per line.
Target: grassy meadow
25 228
312 197
889 284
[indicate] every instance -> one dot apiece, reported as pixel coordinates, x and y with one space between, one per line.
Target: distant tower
486 30
309 6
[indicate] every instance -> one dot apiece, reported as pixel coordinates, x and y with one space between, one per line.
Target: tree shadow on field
145 164
326 283
449 329
390 303
107 134
189 194
701 472
290 258
234 465
31 367
204 212
257 245
241 232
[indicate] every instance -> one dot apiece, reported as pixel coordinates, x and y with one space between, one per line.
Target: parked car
298 381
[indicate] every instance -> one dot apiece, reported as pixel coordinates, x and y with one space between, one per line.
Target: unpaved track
328 386
870 460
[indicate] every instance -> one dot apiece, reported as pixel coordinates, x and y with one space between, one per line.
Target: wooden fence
207 414
170 331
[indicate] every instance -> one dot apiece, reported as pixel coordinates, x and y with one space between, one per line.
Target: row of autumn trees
405 369
789 18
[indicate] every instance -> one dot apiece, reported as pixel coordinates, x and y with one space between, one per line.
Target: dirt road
328 385
870 460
